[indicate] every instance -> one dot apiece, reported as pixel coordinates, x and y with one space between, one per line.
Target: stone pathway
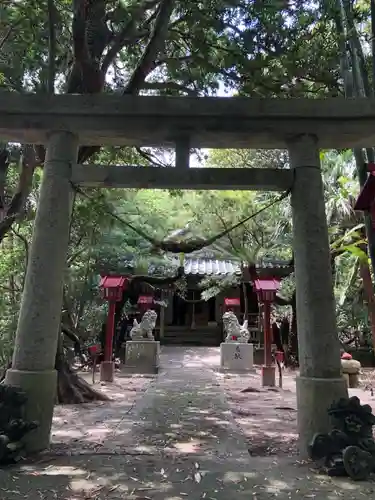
177 441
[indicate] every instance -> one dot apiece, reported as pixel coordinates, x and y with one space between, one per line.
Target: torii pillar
320 381
33 365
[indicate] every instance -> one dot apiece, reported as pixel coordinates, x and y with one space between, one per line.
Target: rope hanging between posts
188 246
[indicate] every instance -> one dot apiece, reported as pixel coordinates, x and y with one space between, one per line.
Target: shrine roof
211 266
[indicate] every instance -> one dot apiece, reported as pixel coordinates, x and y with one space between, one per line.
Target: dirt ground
189 432
268 418
78 429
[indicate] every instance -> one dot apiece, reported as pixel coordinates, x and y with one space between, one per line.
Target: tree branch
80 50
128 33
26 246
149 157
17 203
10 289
71 336
169 86
154 47
4 165
86 76
230 238
74 256
51 47
7 34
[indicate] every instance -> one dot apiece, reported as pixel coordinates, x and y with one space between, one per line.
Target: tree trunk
356 84
289 332
245 302
284 335
293 337
277 337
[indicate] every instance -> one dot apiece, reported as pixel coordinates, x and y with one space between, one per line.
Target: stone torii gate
302 126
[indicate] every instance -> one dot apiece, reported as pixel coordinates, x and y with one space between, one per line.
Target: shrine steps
196 337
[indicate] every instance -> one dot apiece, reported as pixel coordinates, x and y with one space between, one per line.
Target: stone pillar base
142 356
314 397
40 388
236 357
107 371
268 376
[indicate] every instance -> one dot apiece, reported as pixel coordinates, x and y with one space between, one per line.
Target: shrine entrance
64 122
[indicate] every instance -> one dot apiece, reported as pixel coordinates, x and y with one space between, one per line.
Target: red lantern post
366 199
366 203
266 290
112 289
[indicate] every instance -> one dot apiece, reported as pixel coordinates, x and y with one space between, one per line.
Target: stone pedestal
39 321
268 376
236 357
107 371
314 397
142 356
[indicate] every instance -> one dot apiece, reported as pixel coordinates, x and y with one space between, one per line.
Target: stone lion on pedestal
233 330
144 329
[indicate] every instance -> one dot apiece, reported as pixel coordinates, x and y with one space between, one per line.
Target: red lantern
145 302
232 304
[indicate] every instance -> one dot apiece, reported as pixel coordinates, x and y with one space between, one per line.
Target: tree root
72 389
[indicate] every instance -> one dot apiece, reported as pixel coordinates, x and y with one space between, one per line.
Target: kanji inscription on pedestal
237 353
236 357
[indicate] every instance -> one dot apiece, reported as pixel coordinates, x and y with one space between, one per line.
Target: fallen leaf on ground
197 477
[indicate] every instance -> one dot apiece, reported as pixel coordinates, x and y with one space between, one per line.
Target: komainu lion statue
144 329
233 330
